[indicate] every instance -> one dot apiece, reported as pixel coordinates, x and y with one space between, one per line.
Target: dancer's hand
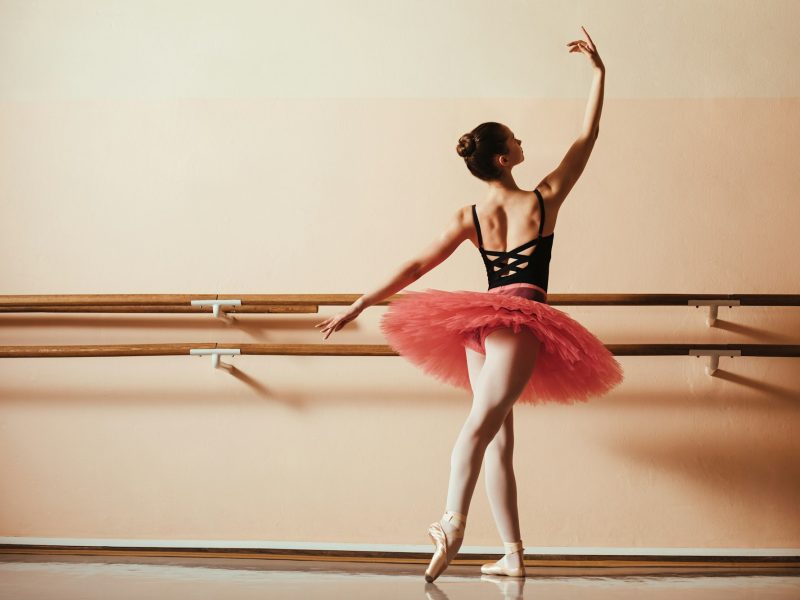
587 48
336 322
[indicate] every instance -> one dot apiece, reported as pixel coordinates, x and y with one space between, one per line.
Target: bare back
510 221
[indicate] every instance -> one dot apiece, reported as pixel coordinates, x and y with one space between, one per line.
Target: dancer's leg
501 488
501 484
510 359
475 362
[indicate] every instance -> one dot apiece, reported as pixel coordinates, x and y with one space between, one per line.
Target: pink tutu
431 328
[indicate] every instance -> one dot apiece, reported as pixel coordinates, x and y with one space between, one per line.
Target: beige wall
171 147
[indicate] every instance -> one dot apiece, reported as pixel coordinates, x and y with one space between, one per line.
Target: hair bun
466 145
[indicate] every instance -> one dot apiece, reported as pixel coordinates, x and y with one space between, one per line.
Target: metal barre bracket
216 304
215 354
713 306
713 357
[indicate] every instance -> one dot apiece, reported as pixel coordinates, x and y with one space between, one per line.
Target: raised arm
564 177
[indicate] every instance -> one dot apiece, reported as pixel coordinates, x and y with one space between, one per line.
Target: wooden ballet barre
181 349
176 303
223 305
215 350
76 300
162 308
166 300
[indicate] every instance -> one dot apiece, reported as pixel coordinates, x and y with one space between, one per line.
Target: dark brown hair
479 148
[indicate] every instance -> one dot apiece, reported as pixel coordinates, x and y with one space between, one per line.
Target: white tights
487 436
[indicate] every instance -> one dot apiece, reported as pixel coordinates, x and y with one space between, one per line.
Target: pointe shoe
501 569
439 561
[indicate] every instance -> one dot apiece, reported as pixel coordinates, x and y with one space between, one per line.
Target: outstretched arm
455 232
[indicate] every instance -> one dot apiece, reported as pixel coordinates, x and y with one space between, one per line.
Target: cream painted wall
274 147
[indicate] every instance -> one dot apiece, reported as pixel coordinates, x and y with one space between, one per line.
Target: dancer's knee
502 456
485 424
501 448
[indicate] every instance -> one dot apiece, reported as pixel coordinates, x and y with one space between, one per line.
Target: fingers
325 325
330 325
334 327
328 331
336 322
576 47
588 36
581 46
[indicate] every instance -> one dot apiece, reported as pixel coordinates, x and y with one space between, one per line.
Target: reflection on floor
66 577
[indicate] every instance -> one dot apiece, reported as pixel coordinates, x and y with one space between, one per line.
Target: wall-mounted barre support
713 307
216 304
713 357
215 353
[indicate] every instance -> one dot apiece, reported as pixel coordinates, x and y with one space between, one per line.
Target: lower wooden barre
325 349
184 349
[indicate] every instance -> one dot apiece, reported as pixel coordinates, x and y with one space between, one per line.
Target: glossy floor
66 577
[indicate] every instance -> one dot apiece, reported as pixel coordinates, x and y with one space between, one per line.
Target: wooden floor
86 577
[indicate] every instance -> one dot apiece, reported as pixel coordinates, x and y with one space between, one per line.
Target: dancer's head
489 150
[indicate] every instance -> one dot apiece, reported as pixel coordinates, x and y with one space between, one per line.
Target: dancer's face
515 154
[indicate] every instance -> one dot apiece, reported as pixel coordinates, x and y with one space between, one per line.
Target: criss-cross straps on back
512 254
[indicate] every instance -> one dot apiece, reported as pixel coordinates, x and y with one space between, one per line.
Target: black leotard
533 269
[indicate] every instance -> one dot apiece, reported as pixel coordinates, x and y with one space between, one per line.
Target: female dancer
490 342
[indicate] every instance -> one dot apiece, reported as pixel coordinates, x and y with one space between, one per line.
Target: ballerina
506 345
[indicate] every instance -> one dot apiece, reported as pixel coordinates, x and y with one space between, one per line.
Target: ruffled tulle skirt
431 329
